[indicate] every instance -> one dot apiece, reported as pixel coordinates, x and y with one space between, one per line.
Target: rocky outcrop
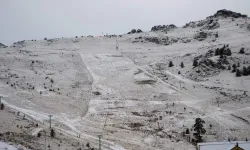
211 63
208 24
135 31
163 27
201 36
138 31
2 45
163 41
227 13
212 24
19 44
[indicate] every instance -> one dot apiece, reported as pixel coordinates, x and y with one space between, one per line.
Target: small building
232 145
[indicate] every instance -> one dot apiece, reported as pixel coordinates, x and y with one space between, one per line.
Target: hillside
2 45
131 95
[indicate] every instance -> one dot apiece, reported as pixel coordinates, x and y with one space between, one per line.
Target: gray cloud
36 19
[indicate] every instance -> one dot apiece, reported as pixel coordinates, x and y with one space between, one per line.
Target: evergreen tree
217 51
195 63
170 64
245 71
248 70
242 50
198 127
187 131
234 68
179 72
238 65
52 133
182 65
221 56
229 67
221 51
238 73
229 52
2 106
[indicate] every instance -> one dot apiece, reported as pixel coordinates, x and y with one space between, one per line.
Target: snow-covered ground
131 96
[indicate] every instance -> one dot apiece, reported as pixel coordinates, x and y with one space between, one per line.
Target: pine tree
242 50
229 52
238 73
217 51
187 131
170 64
238 65
245 71
248 70
221 51
198 127
229 67
179 72
195 63
182 65
234 68
221 56
2 106
52 133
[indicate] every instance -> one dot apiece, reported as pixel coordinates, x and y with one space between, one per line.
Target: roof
224 145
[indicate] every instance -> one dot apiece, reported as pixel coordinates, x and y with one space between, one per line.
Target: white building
233 145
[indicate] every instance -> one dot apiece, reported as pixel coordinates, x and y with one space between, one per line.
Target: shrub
170 64
216 35
245 71
217 51
234 68
45 38
88 145
2 106
238 73
229 67
182 65
228 52
39 134
242 50
248 70
195 63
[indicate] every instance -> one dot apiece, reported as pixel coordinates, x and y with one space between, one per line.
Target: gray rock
163 27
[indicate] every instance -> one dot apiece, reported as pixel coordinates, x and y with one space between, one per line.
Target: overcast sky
36 19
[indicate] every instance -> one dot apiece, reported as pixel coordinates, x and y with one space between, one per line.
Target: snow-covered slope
131 96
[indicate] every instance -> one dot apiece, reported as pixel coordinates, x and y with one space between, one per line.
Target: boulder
163 27
133 31
138 31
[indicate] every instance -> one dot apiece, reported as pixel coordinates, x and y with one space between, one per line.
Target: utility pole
100 144
50 120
